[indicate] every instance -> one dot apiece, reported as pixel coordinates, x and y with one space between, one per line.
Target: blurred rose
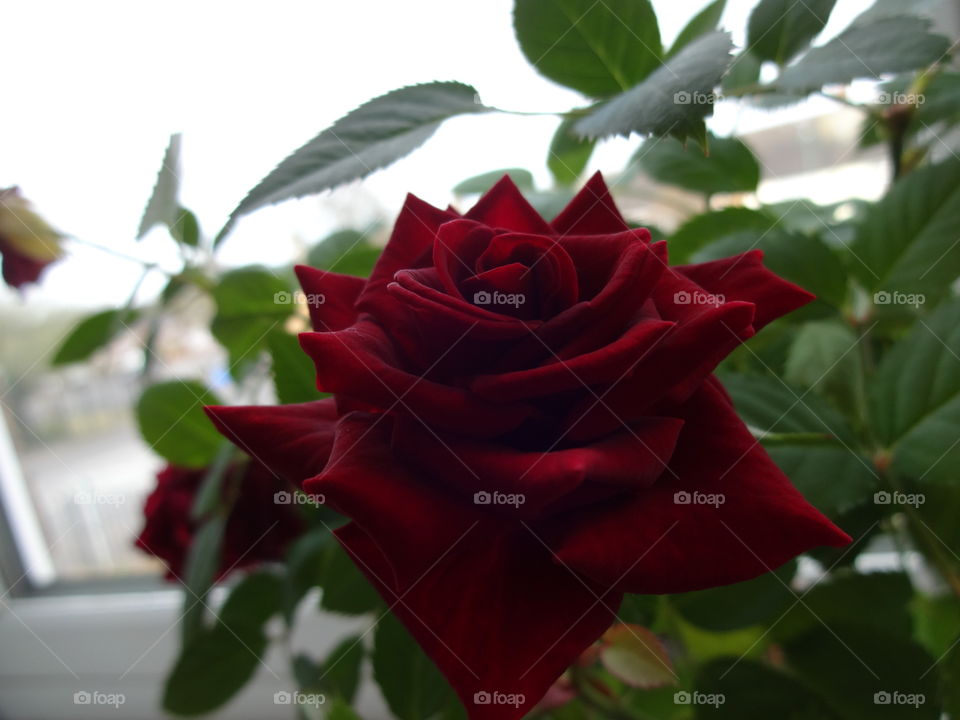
27 242
259 528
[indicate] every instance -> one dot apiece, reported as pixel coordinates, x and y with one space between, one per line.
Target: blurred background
92 93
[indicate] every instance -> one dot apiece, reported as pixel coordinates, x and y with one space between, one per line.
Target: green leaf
704 229
294 376
251 303
673 100
887 45
340 674
185 228
636 656
766 403
753 690
217 663
907 243
163 207
376 134
200 571
743 72
345 589
916 398
479 184
779 29
743 604
703 22
850 665
91 334
729 167
305 568
839 600
411 684
348 252
173 424
569 154
821 355
598 48
340 710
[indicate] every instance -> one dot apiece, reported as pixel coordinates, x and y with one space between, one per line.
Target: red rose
520 410
27 243
259 528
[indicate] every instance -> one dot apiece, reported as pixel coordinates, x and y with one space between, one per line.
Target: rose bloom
27 243
258 528
524 427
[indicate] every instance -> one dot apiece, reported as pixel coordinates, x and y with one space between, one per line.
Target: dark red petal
18 269
360 362
456 248
410 246
291 440
591 212
632 458
503 206
744 277
654 544
604 365
330 297
596 256
672 369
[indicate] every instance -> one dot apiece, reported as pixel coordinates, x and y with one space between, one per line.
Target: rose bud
27 243
259 528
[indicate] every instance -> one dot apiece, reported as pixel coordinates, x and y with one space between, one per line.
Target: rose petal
337 295
653 544
292 440
744 277
596 256
361 363
591 212
632 459
503 206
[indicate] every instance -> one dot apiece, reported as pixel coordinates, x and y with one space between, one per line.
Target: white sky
93 90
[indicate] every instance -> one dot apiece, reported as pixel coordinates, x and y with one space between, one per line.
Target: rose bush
524 427
258 529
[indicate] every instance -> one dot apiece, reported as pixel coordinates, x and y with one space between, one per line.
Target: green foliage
569 153
91 334
371 137
673 100
251 303
293 373
779 29
173 424
916 398
706 20
411 684
887 45
217 662
479 184
348 252
345 589
163 207
599 49
728 167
